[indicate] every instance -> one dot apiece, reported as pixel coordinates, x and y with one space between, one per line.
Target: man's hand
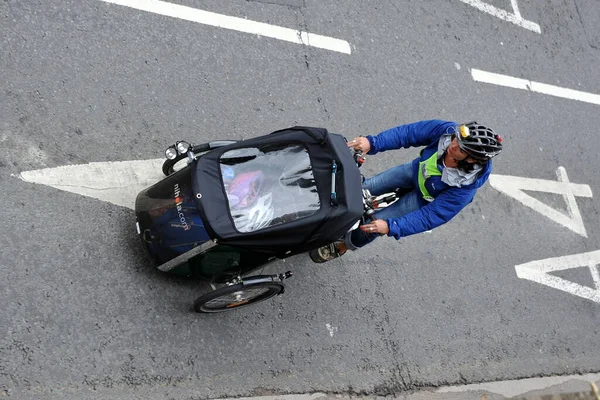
378 226
360 144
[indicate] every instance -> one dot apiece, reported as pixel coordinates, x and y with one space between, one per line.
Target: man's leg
391 179
384 182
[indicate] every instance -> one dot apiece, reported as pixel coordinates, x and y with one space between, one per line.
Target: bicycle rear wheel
236 296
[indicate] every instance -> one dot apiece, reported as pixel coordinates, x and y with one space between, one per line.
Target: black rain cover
326 225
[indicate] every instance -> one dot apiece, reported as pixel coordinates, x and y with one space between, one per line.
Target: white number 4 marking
514 17
538 271
514 186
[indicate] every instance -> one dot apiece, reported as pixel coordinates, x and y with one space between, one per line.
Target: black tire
237 296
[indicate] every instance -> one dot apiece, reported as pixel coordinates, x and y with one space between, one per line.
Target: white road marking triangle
514 186
116 182
538 271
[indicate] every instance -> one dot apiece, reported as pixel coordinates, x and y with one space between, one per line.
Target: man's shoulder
436 128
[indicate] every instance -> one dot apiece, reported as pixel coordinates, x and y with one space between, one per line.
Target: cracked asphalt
85 315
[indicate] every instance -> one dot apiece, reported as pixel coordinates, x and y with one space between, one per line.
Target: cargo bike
236 206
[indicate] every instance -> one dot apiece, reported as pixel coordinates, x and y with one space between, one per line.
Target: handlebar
211 145
358 156
372 203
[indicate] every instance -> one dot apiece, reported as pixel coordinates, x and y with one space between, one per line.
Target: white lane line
524 84
514 17
538 271
236 24
514 186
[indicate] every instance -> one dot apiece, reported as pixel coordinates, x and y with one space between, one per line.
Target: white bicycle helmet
256 217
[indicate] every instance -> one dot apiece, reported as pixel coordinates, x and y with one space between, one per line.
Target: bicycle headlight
171 153
183 147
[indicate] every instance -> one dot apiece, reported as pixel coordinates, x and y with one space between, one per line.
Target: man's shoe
325 253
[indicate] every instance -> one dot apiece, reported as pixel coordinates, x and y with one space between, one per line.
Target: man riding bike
455 162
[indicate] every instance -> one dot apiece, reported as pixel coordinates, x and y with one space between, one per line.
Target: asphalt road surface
84 312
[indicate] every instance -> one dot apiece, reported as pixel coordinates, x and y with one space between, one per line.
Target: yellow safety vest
427 169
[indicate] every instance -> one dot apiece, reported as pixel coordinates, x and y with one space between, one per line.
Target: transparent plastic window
268 186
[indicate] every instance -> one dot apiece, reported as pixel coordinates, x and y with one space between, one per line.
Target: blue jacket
450 200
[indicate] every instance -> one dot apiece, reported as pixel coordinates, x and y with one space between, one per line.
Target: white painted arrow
117 182
538 271
514 186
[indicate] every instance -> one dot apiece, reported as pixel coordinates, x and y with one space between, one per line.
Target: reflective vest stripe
427 169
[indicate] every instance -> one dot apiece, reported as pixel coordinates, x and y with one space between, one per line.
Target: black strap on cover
319 134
